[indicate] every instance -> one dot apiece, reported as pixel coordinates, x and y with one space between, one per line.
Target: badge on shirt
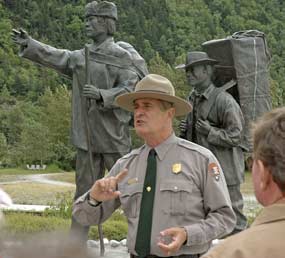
176 168
214 170
132 181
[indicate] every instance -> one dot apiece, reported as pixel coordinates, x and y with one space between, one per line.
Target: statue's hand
183 126
20 37
90 91
203 126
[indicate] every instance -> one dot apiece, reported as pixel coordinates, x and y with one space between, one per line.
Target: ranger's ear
265 175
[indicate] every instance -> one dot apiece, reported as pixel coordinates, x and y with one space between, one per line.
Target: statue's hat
103 8
196 58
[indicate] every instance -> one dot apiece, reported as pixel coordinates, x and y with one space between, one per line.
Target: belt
177 256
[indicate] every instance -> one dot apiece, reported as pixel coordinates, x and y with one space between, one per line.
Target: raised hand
20 37
106 188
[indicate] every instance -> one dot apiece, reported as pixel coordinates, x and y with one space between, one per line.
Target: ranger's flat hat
104 8
196 58
156 87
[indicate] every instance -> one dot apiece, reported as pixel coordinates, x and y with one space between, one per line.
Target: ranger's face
150 119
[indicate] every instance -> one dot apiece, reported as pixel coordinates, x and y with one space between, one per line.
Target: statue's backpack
244 58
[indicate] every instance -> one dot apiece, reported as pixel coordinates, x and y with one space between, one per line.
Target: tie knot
152 152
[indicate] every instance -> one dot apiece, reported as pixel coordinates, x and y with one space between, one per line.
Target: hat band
158 91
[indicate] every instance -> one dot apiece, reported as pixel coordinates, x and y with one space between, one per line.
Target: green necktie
145 220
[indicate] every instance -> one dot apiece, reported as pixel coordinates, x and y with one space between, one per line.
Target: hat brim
126 101
202 61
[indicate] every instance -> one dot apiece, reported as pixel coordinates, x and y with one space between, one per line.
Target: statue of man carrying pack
216 123
99 73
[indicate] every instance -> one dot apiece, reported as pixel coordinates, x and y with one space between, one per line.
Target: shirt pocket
130 199
176 195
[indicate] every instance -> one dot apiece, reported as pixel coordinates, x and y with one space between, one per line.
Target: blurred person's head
268 168
45 245
5 200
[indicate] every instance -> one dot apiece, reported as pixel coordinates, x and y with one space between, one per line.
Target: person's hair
165 105
110 24
269 144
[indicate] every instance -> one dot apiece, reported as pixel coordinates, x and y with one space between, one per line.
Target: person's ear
265 175
171 112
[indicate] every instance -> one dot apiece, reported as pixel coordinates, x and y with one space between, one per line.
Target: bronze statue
216 123
99 72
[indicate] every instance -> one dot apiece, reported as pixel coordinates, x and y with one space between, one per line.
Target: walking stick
88 81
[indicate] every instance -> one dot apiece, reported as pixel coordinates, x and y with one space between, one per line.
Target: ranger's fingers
121 175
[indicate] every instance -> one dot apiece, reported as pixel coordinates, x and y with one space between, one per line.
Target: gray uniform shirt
190 192
112 72
225 136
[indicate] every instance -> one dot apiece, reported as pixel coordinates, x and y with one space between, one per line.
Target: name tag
132 181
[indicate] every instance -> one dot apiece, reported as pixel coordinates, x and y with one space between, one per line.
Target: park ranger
173 192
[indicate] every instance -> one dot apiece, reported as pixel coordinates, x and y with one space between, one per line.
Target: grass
27 223
68 177
247 187
26 192
35 193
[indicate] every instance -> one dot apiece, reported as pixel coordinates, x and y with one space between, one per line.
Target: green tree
56 116
34 146
3 149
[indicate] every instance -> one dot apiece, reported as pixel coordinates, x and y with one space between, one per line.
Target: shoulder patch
214 170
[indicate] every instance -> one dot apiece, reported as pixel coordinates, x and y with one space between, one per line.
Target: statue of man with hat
172 191
99 72
216 123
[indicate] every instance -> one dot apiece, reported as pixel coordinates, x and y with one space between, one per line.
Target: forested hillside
35 102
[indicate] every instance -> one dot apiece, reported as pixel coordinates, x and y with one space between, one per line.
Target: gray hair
165 105
269 144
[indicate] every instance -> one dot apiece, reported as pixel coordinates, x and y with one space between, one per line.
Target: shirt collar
272 213
207 93
163 147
